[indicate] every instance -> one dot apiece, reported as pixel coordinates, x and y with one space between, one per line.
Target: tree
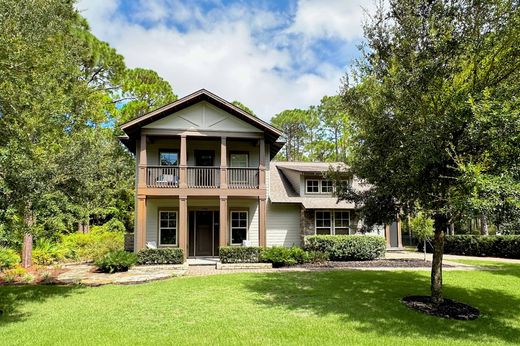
243 107
412 100
296 125
422 228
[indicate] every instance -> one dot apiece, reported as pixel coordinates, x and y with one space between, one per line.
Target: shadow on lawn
372 300
13 298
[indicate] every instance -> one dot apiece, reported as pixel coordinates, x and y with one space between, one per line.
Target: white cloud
331 18
219 52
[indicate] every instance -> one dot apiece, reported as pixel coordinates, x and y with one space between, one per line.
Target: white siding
283 224
152 215
252 207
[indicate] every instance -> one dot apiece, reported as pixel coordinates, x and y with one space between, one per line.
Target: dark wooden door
203 233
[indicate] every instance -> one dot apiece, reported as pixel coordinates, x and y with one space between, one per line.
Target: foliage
287 256
14 274
8 258
505 246
239 254
421 226
47 252
161 256
116 261
93 245
434 95
243 107
347 247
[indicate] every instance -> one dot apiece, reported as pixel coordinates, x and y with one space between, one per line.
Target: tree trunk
484 225
438 250
27 239
452 228
424 249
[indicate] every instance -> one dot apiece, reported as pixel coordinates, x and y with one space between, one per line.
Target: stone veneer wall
306 222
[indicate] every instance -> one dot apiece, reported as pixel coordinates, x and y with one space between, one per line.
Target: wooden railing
162 176
203 177
242 178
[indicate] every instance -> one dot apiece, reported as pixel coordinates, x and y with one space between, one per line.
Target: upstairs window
327 186
312 186
168 158
240 160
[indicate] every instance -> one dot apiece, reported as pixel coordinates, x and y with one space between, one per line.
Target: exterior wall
154 204
203 116
283 224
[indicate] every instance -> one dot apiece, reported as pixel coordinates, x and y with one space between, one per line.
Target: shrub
117 261
93 245
287 256
14 274
507 246
239 254
46 252
160 256
347 247
8 258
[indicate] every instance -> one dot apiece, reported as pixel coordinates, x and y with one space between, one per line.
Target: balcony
201 177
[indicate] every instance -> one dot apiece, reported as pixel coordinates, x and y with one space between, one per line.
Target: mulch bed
383 263
448 309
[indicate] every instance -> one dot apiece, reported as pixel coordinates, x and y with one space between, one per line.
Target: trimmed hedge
281 256
239 254
347 247
506 246
160 256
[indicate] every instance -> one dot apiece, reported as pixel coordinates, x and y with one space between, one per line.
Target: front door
204 233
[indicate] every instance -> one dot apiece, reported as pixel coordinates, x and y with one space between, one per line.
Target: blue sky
270 55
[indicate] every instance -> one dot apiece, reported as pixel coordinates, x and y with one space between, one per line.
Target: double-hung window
326 186
312 186
329 222
239 221
168 228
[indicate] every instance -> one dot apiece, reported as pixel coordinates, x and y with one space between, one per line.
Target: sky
271 55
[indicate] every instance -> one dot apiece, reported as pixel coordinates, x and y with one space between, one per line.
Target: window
238 227
326 186
341 222
323 222
332 222
312 186
167 227
168 158
239 160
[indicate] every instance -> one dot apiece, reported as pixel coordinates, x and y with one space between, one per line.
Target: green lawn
340 307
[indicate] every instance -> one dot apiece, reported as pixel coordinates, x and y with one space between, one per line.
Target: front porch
200 225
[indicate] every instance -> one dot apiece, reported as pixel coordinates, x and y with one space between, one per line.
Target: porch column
261 221
223 234
183 224
261 166
143 161
387 235
140 231
182 165
223 163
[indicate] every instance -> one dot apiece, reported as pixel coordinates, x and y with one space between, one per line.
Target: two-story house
205 178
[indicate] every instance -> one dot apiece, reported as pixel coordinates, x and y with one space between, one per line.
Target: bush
288 256
239 254
117 261
8 258
160 256
506 246
47 252
93 245
347 247
14 274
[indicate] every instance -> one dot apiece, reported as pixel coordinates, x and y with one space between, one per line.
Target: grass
327 308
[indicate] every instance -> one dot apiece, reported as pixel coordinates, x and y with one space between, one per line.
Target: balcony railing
162 176
203 177
242 178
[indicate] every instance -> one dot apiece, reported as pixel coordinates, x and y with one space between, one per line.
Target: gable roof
133 126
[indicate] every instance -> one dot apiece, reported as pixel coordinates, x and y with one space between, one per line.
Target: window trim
159 244
348 220
333 220
307 187
331 185
231 225
169 151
